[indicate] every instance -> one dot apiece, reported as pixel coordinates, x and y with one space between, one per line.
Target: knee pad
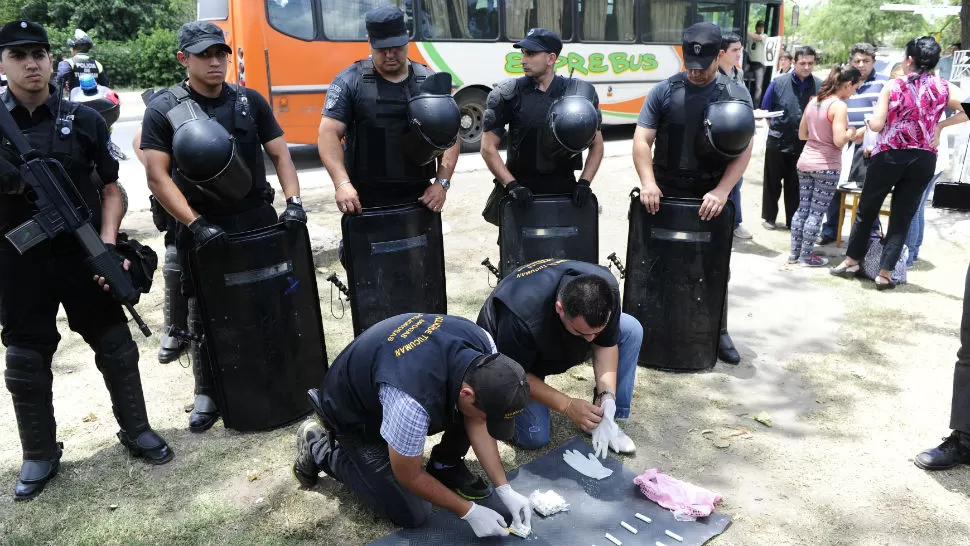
115 351
28 372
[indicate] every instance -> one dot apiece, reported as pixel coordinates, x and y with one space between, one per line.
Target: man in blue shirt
863 57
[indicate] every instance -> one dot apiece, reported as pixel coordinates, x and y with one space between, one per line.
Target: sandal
888 285
845 271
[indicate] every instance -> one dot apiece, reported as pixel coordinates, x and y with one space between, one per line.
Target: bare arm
593 158
953 103
486 449
650 193
112 210
448 161
409 473
841 134
803 126
279 154
329 135
605 362
493 160
881 111
157 167
578 411
733 173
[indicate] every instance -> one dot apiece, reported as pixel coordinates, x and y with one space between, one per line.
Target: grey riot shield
551 228
395 262
676 281
263 332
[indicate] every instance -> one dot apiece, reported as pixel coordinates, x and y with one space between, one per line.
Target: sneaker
624 444
813 261
824 240
742 233
305 467
458 478
954 451
792 260
771 226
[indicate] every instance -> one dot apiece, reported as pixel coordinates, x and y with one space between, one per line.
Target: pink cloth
687 501
820 153
916 103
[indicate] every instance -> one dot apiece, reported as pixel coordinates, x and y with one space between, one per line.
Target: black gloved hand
294 211
521 194
204 231
581 193
10 181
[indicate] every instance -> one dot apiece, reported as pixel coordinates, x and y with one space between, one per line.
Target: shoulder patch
333 92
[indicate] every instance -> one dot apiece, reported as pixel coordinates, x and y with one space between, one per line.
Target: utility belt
166 222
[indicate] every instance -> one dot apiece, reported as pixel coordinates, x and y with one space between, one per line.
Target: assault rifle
62 209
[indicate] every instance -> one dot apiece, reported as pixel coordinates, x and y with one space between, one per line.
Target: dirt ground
855 383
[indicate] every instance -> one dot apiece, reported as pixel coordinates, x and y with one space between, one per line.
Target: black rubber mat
596 507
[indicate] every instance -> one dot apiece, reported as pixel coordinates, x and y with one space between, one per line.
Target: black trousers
34 285
904 172
960 408
780 172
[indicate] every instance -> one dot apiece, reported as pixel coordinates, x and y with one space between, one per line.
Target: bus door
770 12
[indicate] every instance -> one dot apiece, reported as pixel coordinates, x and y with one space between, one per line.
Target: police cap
198 36
386 28
23 32
702 42
540 39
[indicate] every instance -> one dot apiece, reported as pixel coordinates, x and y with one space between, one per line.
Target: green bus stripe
435 58
620 114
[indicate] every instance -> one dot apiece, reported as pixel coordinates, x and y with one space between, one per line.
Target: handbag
870 263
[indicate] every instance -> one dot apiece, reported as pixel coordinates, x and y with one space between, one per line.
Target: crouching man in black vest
403 379
701 151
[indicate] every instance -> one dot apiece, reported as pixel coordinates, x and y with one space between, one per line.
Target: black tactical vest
423 355
373 153
82 63
247 138
675 162
525 159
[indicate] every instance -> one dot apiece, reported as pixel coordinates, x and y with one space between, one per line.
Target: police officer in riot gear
524 105
81 62
368 103
702 147
211 184
53 273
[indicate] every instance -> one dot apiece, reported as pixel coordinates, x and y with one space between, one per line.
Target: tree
105 19
837 24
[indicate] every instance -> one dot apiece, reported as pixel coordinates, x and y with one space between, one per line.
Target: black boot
725 345
457 477
954 451
305 467
117 357
29 380
205 412
175 308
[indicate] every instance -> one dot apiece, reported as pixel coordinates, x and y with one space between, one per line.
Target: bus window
213 10
343 20
607 20
459 20
521 15
722 15
664 21
291 17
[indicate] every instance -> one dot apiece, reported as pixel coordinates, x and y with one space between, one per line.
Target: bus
290 50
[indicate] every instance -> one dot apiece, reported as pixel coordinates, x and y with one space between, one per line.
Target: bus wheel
471 104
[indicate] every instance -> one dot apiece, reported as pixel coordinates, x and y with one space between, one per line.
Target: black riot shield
395 261
551 228
676 281
262 328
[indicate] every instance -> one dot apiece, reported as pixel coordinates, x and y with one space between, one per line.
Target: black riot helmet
207 156
433 120
727 131
571 123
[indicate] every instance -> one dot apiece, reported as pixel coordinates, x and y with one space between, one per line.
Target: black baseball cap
198 36
540 39
501 391
23 32
386 28
702 42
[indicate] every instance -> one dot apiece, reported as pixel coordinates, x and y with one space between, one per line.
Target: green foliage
832 27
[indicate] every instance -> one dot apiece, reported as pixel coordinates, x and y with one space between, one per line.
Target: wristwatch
295 200
601 394
445 183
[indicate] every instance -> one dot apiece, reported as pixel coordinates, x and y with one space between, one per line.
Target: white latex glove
606 431
520 506
485 522
590 467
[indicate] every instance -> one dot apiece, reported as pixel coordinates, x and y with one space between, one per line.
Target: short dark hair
925 52
863 48
83 48
589 296
760 24
786 55
805 51
728 39
957 45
